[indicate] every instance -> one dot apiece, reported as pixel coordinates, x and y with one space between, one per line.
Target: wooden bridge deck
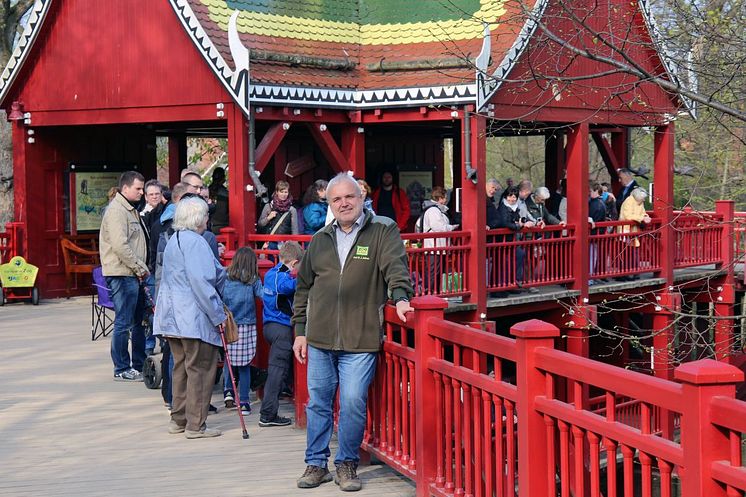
67 429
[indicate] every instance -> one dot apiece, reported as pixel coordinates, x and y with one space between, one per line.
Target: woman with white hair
633 209
188 313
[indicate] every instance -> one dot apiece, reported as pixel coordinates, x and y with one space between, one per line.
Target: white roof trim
30 33
488 86
660 47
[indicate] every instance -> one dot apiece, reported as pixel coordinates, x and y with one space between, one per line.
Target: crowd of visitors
322 307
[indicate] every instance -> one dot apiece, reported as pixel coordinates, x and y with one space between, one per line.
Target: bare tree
10 14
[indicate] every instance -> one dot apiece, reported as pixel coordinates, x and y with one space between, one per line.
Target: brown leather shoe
346 477
313 477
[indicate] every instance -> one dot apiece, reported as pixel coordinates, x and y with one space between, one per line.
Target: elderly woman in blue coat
188 313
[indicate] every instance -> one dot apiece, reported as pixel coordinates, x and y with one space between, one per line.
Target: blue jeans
128 298
352 372
242 375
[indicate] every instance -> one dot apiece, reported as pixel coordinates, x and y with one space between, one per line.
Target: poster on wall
91 197
418 185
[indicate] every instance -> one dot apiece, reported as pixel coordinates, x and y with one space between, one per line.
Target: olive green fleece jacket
342 308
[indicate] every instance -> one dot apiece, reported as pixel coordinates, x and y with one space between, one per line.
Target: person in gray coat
188 312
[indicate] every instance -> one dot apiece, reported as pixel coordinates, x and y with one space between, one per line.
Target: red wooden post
473 207
725 295
701 441
663 328
20 185
426 308
534 473
353 146
242 207
620 145
577 202
554 159
177 150
663 198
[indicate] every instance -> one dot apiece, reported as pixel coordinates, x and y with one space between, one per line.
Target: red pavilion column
242 203
473 203
663 198
353 147
577 203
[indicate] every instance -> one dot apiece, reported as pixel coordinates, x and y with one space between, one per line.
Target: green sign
91 198
18 273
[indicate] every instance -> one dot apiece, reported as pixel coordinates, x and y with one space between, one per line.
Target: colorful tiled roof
355 50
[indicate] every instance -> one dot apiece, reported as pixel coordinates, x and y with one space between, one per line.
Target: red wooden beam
607 153
288 114
329 147
269 144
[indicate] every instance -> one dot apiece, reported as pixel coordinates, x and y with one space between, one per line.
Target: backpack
420 223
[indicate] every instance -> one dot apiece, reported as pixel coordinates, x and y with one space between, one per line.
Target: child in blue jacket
279 289
242 287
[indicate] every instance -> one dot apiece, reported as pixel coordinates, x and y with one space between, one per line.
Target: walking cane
221 329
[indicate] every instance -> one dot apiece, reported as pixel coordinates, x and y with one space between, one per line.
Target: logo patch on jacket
361 252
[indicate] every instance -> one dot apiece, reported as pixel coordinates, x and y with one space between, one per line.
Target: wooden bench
80 255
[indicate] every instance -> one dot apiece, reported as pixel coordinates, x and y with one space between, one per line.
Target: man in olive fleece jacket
343 284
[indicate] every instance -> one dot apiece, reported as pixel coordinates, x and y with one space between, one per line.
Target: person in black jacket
596 214
508 216
628 184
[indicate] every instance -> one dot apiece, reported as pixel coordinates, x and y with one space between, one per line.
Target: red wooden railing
623 248
390 433
545 255
699 238
740 236
11 241
466 412
438 262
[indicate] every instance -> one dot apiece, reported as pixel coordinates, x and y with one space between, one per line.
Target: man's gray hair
341 178
525 185
542 192
639 194
493 181
190 214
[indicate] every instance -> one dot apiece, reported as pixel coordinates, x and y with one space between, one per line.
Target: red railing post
535 477
231 238
426 421
725 296
701 441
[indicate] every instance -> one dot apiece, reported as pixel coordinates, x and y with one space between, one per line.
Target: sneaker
228 399
245 409
277 421
313 477
128 375
212 409
346 477
203 433
173 428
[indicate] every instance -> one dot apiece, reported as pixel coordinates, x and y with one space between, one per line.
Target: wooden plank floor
67 429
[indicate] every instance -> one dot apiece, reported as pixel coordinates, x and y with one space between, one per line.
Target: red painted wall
98 62
97 54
